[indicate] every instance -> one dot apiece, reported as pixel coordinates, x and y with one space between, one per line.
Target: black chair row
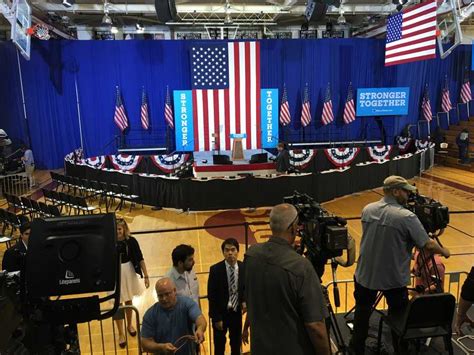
72 203
31 207
11 221
91 188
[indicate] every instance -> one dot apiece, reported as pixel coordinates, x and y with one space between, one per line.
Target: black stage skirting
192 194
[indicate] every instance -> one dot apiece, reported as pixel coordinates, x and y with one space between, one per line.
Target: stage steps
451 134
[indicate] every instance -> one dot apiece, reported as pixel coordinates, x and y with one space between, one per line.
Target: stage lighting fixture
68 3
341 19
140 28
106 20
114 30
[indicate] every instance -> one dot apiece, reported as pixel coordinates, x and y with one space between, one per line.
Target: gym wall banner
382 101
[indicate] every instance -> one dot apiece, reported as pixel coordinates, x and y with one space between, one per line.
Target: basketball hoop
40 31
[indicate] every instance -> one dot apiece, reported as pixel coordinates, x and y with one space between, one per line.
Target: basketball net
39 31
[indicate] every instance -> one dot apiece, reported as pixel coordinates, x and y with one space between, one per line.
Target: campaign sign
183 120
269 117
382 101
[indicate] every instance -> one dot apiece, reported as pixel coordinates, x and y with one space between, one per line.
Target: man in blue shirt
170 319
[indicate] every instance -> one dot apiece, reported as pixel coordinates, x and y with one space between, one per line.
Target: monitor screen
71 255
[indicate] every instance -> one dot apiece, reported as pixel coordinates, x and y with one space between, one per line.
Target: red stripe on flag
411 43
249 98
410 51
237 87
258 107
227 119
205 108
430 56
195 122
217 119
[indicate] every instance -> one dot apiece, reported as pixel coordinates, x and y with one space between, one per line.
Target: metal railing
14 184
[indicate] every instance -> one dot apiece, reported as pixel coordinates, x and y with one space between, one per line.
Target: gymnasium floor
450 186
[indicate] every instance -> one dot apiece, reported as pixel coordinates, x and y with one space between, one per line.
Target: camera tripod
331 320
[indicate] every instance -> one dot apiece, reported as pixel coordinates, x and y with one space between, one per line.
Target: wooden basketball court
452 187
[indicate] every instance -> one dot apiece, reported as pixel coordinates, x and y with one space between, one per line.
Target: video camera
325 236
432 214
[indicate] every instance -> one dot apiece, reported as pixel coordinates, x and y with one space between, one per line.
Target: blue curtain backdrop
98 66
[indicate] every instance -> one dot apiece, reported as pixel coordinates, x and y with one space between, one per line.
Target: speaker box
258 158
221 159
165 10
315 11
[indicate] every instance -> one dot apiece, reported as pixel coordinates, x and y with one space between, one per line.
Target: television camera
67 256
323 237
435 218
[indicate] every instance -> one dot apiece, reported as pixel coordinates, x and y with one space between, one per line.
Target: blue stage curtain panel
99 66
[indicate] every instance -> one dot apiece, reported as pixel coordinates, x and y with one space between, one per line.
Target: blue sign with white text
382 101
269 117
183 119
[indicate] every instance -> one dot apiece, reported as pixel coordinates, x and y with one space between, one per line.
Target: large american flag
411 34
285 117
120 117
226 93
168 110
425 105
144 117
306 108
328 115
466 94
445 100
349 108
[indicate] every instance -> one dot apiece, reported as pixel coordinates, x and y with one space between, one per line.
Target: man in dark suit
282 159
14 258
225 293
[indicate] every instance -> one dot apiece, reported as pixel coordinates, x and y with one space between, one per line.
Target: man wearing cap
285 303
389 233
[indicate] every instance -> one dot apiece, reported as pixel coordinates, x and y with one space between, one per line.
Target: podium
237 147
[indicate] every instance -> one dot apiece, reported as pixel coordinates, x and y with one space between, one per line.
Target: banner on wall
183 119
185 125
269 117
382 101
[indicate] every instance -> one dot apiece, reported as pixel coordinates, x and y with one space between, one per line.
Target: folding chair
426 316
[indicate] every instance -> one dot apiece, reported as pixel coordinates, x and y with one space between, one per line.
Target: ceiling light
114 30
341 19
140 28
68 3
106 20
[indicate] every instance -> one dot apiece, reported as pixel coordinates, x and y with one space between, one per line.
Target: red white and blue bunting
169 163
403 143
302 157
95 162
125 162
75 156
69 158
341 157
379 152
421 144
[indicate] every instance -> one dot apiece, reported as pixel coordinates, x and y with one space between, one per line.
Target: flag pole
447 115
467 106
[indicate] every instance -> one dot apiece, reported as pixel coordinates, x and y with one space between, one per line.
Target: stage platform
203 166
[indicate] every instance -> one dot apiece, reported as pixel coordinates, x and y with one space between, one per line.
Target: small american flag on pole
466 94
168 110
426 106
120 117
411 34
306 108
285 118
349 108
328 115
445 100
144 117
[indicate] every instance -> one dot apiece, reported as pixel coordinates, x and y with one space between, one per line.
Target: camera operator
285 303
390 231
14 257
